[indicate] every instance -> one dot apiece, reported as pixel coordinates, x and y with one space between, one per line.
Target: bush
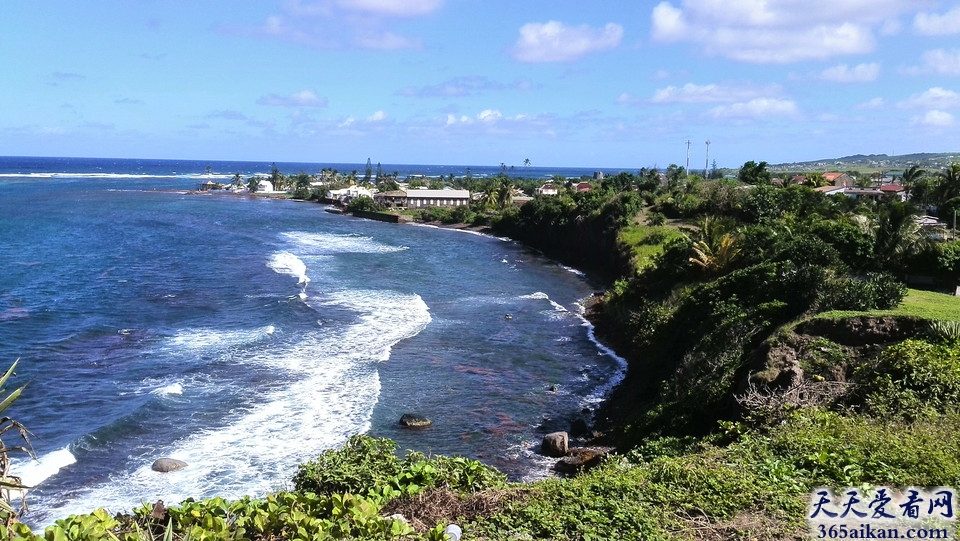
369 466
363 204
911 379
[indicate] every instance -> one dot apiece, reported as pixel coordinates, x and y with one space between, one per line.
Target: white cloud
377 117
711 93
332 24
935 98
935 118
785 31
553 41
304 98
489 115
756 108
875 103
942 61
393 8
932 24
861 73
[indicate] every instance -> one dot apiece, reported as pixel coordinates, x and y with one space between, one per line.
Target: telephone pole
687 170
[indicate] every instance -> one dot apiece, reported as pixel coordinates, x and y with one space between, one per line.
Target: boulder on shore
581 458
164 465
555 444
412 420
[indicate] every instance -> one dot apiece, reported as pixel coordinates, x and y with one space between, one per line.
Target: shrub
369 466
911 379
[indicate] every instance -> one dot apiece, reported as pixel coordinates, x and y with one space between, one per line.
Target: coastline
587 426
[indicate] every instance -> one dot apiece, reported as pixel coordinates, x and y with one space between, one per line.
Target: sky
564 83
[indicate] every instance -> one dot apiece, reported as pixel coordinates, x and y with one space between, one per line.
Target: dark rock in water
164 465
412 420
581 458
555 444
579 428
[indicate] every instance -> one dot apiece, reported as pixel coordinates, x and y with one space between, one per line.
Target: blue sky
559 82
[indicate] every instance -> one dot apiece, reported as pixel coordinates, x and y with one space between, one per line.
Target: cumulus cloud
711 93
942 61
861 73
463 86
875 103
553 41
935 119
756 108
392 8
377 117
329 24
934 98
489 115
932 24
759 31
304 98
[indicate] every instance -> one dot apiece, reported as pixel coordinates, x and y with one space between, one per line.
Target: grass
646 242
918 303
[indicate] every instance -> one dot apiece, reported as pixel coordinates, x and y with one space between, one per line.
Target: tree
675 175
526 162
277 179
815 180
910 177
253 184
896 235
754 173
237 181
368 172
948 185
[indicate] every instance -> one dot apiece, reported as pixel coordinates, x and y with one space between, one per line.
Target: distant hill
873 162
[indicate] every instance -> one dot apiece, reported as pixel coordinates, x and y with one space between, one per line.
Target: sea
246 335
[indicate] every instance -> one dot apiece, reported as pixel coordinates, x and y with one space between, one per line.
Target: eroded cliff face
815 362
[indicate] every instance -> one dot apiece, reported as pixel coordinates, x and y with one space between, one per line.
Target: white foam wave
332 243
287 263
573 270
172 389
601 392
200 339
541 295
331 398
34 472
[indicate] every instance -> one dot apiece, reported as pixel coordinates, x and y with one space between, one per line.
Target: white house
437 198
346 195
547 189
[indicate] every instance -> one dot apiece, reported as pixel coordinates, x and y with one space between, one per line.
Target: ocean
246 335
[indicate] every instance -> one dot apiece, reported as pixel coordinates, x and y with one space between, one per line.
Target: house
583 187
547 189
830 190
391 199
346 195
437 198
838 179
265 186
895 190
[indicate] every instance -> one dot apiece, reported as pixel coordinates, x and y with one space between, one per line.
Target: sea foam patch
333 243
288 263
332 397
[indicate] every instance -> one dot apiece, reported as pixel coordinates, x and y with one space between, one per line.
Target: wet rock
165 465
555 444
412 420
581 458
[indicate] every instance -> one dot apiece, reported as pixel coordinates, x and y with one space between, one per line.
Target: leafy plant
10 483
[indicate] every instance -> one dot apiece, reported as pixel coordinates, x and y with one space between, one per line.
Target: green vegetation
772 348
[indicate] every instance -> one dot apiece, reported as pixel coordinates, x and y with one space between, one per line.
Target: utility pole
687 170
706 162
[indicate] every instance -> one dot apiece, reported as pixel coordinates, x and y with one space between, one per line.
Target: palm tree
910 177
504 194
948 185
896 234
526 162
716 259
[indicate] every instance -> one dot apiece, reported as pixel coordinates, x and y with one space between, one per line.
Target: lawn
917 303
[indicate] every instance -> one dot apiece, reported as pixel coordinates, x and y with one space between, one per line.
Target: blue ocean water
246 335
